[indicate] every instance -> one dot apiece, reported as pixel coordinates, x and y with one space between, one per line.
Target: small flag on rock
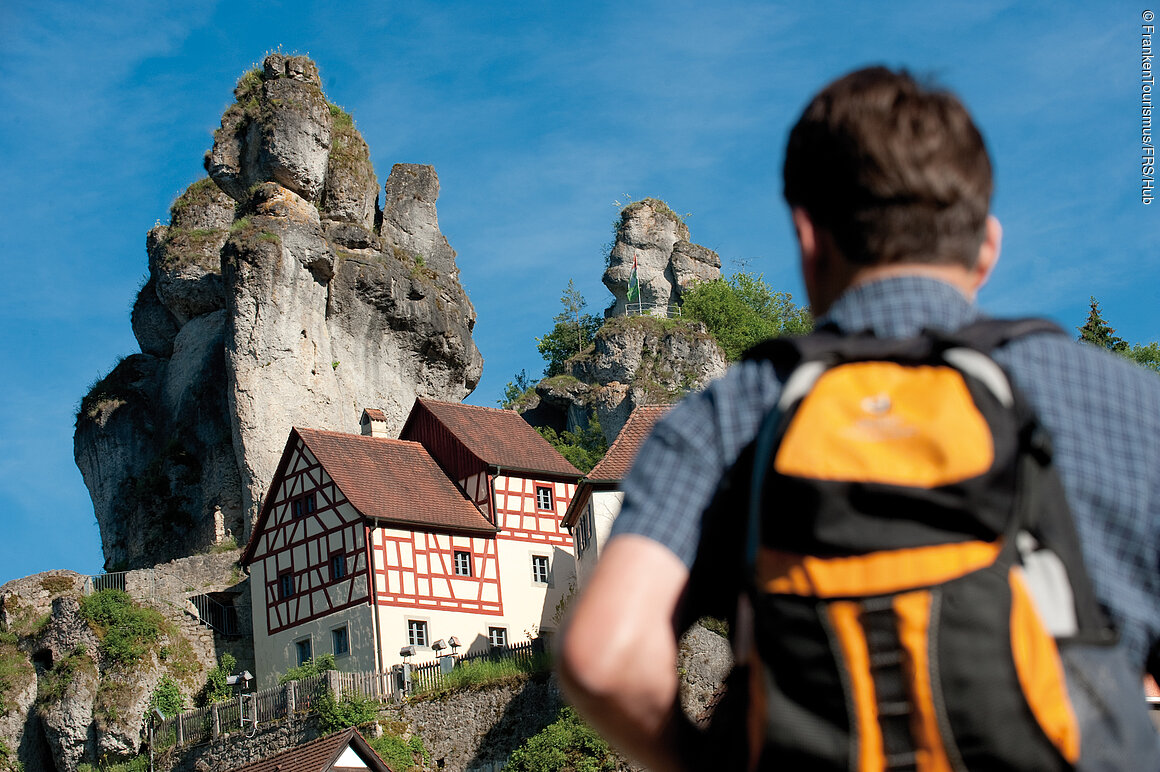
633 283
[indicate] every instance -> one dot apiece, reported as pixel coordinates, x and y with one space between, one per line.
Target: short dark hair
894 170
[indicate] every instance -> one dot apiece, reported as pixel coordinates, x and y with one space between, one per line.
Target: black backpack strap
988 334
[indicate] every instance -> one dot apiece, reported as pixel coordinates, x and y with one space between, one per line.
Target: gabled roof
498 438
617 461
319 755
393 481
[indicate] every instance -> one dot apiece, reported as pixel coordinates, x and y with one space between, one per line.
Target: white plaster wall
601 511
470 629
526 603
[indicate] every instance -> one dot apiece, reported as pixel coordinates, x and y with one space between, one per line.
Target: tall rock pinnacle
280 294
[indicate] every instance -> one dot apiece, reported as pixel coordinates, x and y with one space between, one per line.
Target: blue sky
537 117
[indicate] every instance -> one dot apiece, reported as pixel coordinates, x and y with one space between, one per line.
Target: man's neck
958 276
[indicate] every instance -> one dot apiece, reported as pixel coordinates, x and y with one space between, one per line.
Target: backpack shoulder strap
988 334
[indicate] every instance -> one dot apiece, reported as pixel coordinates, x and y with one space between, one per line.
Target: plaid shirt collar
900 307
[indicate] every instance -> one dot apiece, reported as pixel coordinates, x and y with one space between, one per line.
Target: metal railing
215 615
662 310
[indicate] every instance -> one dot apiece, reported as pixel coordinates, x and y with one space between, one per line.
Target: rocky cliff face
75 691
280 294
644 354
667 262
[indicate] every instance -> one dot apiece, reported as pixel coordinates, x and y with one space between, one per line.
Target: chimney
373 423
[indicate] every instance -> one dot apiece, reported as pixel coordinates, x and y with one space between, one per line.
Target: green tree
565 744
167 697
572 333
515 389
1098 332
744 310
217 688
583 447
1146 356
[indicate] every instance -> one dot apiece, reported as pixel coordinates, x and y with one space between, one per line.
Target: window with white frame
543 497
304 650
340 640
497 636
417 632
462 563
540 569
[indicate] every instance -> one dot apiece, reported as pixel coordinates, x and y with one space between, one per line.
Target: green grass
54 684
126 630
15 672
484 672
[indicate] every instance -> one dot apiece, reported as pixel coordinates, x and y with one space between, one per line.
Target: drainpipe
374 601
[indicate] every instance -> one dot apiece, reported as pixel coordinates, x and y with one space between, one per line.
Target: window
543 497
305 651
303 506
341 641
497 636
584 529
540 574
337 566
416 632
285 586
462 563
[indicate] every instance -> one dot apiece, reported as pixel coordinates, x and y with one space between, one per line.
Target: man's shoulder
1044 353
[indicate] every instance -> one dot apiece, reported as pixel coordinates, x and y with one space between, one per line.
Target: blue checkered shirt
1103 414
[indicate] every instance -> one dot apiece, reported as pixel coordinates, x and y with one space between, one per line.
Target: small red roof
393 480
374 414
618 460
499 438
319 755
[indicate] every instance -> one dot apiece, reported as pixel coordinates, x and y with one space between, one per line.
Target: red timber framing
416 569
520 517
309 529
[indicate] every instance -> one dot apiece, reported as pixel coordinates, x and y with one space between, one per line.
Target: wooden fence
299 698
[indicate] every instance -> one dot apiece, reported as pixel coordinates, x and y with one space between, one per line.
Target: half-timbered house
367 544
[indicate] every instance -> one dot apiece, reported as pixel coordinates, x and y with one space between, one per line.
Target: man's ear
988 252
807 238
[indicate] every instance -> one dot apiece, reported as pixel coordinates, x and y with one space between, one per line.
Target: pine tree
572 333
1098 332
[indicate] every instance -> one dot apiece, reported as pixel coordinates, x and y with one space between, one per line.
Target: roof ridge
353 436
427 401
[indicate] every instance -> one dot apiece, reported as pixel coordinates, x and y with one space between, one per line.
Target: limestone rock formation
635 360
643 354
74 686
279 294
667 263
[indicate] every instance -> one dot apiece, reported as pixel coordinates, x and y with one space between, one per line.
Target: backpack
909 573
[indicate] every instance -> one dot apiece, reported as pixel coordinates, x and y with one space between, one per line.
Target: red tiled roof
618 460
393 480
319 755
499 437
375 414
